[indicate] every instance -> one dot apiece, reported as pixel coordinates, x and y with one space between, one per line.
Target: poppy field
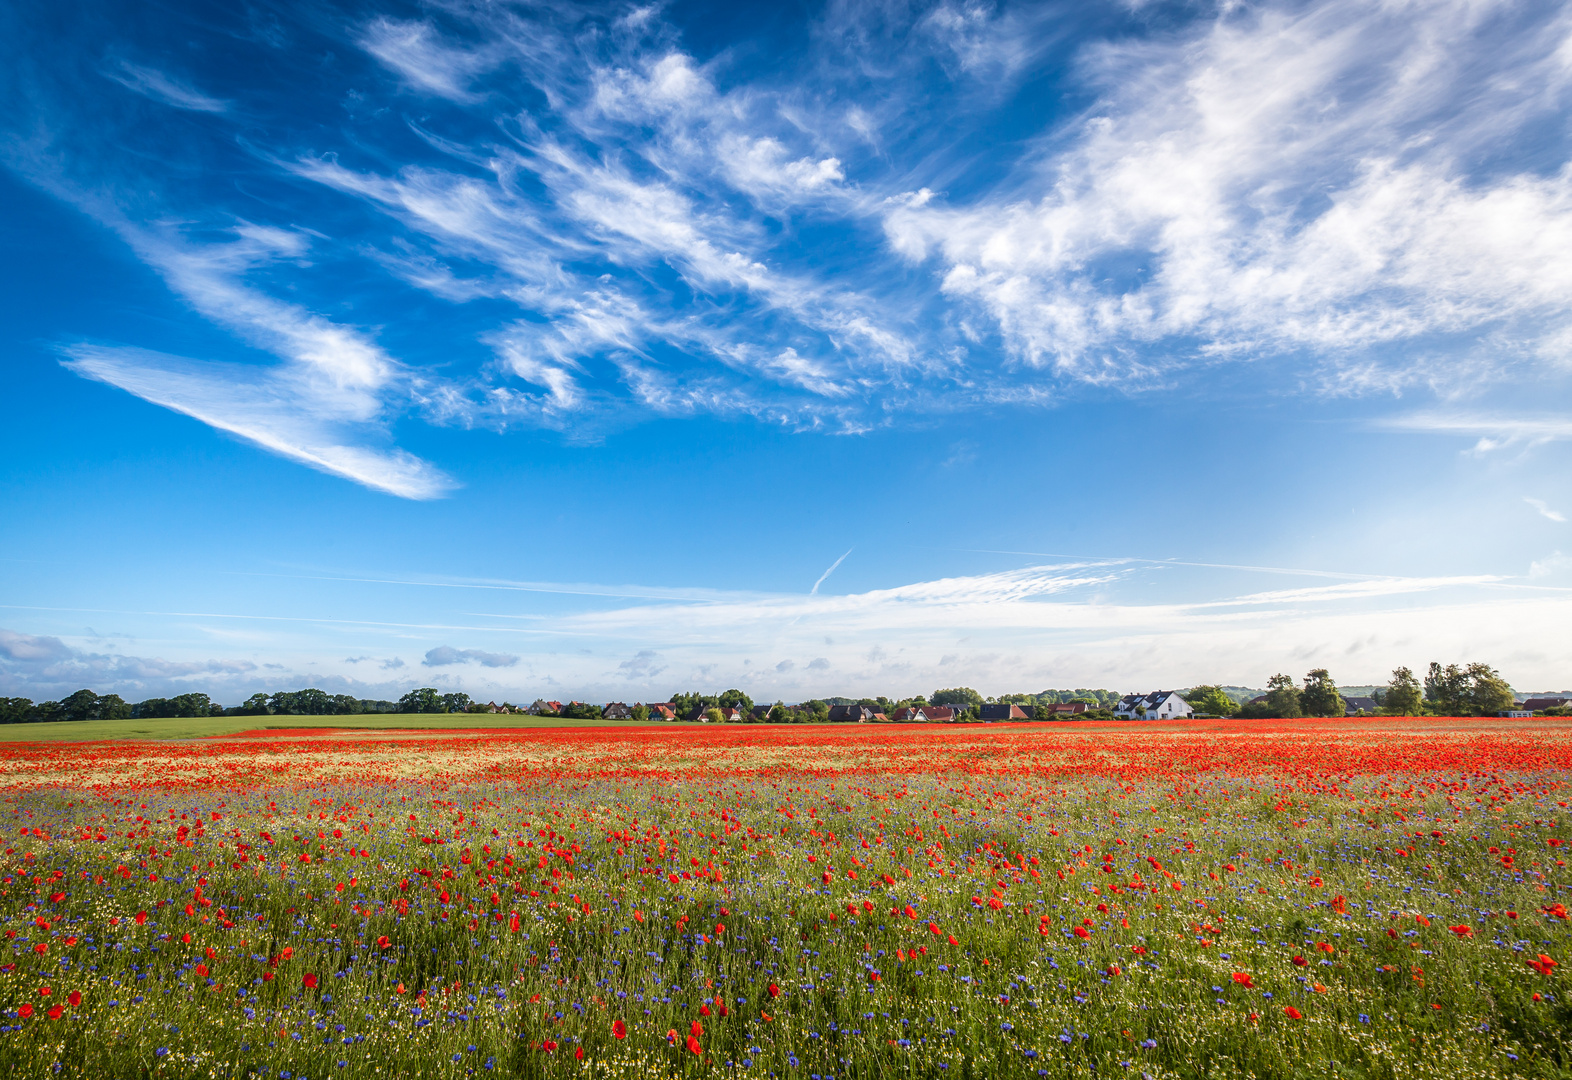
1318 898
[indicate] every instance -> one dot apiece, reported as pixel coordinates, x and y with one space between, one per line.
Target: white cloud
446 655
1049 626
1365 199
268 407
154 84
320 407
1495 431
44 664
1554 563
417 52
1544 509
1284 180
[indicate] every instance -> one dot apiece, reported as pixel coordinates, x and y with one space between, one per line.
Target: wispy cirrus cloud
155 84
1544 509
267 407
1340 198
1281 182
1086 622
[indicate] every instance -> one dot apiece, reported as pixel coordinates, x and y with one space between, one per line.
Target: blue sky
605 350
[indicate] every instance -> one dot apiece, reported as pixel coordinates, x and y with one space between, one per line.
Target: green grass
198 727
349 933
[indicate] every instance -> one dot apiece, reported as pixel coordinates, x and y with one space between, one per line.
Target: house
1358 704
1515 713
1159 705
493 707
616 710
662 711
1540 704
926 714
1003 711
1068 708
730 714
544 708
854 714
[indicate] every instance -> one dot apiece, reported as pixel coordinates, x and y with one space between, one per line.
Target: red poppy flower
1244 980
775 991
75 998
56 1012
693 1045
1292 1013
1462 931
310 981
24 1011
619 1030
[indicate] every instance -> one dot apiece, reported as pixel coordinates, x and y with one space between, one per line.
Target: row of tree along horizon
1453 690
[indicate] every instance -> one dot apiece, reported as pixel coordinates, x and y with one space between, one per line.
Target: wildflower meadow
1320 898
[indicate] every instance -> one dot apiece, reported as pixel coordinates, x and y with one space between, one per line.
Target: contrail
815 590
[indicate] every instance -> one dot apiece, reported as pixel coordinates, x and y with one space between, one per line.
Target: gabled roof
1001 711
1151 701
842 714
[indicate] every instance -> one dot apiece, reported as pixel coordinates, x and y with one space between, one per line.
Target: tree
255 705
15 710
1475 690
684 704
1282 697
641 713
455 702
46 712
82 705
1402 696
308 702
1320 696
714 715
1211 699
735 699
580 710
424 700
964 696
1488 692
1446 690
